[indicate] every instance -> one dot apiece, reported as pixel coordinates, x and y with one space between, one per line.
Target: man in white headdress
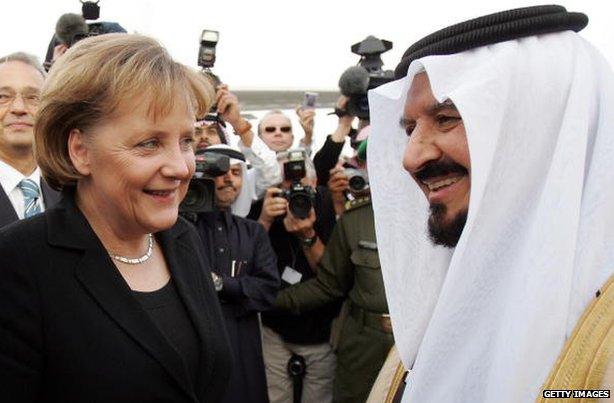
498 281
214 129
244 274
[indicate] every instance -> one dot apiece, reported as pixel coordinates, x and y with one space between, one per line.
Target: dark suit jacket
71 331
7 211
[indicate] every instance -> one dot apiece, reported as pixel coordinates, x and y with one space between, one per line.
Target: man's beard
225 203
441 231
445 232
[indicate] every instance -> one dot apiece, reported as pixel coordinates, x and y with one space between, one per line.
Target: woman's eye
187 142
149 144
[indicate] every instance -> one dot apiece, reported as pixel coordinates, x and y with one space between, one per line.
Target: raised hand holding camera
306 118
228 105
344 125
228 109
273 206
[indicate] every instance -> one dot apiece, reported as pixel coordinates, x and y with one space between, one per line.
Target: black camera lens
357 183
300 205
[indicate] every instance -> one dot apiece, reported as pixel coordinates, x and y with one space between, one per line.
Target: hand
338 181
306 118
344 124
228 106
273 206
302 228
58 51
342 103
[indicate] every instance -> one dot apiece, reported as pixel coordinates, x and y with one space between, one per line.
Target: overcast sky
267 44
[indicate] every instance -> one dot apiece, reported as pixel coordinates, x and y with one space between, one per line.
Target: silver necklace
137 260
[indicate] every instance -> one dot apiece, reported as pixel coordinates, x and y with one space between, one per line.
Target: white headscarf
485 322
243 203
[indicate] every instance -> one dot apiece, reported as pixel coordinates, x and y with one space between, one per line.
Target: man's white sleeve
264 162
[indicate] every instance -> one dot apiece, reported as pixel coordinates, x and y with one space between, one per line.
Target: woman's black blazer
71 331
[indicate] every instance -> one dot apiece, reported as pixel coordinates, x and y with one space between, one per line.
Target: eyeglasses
284 129
30 100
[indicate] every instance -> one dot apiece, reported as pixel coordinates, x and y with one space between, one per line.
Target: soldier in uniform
350 270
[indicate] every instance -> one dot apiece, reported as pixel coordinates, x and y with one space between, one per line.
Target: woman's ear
79 152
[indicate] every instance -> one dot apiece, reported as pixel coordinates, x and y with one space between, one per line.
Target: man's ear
79 152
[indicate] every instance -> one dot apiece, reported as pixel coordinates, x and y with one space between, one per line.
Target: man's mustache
227 186
439 168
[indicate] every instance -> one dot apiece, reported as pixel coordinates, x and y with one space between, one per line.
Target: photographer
275 129
339 183
298 243
306 117
71 28
244 274
350 270
354 84
264 171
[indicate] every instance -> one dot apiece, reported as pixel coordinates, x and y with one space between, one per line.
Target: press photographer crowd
157 244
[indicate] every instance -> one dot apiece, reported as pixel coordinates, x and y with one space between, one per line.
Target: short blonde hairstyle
86 85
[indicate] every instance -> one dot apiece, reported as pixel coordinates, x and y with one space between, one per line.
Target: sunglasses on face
284 129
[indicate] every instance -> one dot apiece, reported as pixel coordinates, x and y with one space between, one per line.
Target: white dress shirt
10 178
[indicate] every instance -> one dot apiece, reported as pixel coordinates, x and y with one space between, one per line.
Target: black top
72 331
167 311
311 327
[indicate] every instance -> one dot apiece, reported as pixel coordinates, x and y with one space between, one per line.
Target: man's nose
18 106
227 178
420 149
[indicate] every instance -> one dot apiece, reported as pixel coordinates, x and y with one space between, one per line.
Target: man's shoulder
22 234
31 227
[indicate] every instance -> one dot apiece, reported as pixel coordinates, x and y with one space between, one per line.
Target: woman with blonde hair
106 298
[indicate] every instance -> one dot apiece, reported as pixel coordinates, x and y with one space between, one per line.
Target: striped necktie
31 193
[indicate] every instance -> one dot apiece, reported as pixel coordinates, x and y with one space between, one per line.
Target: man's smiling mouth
439 183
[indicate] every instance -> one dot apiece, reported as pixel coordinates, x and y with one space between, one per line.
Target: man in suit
244 271
24 193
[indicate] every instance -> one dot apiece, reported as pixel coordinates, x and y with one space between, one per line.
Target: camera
358 180
206 59
309 100
71 28
206 55
357 80
90 10
300 198
200 197
206 52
